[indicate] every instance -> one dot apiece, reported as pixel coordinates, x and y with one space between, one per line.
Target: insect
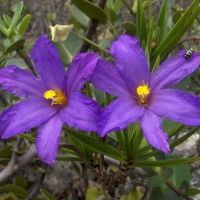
189 53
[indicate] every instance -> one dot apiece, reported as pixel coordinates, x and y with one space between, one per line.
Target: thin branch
177 190
25 57
21 162
92 29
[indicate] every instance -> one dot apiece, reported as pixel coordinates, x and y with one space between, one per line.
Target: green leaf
7 19
4 161
3 27
178 30
18 62
160 163
21 181
129 27
185 187
29 138
156 194
15 18
5 152
68 158
81 17
91 10
24 24
13 43
17 190
118 4
158 179
169 195
181 172
10 196
47 195
135 194
92 193
96 144
193 192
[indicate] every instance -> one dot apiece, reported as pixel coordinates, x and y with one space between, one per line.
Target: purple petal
173 70
81 112
48 139
24 116
21 82
106 77
118 115
47 63
131 61
152 129
80 71
177 106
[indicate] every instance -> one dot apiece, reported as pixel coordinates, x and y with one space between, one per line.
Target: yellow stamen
56 96
143 92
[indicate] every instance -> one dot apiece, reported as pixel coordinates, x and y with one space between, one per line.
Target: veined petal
152 129
177 106
173 70
131 61
118 115
47 63
48 139
80 71
25 115
81 112
21 82
106 77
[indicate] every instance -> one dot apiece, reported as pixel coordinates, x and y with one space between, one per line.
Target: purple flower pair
53 99
143 96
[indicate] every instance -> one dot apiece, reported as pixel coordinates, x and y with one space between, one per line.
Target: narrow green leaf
7 19
120 138
47 195
185 137
96 144
118 4
161 163
91 10
29 138
24 24
15 18
178 30
3 27
68 158
158 179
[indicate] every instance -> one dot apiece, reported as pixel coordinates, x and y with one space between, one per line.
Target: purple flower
142 95
53 99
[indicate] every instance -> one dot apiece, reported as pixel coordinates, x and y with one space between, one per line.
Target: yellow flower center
143 92
56 96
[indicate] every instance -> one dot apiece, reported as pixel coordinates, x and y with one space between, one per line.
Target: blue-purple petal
21 82
173 70
24 116
80 71
118 115
152 130
106 77
177 106
131 61
48 139
47 63
81 112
